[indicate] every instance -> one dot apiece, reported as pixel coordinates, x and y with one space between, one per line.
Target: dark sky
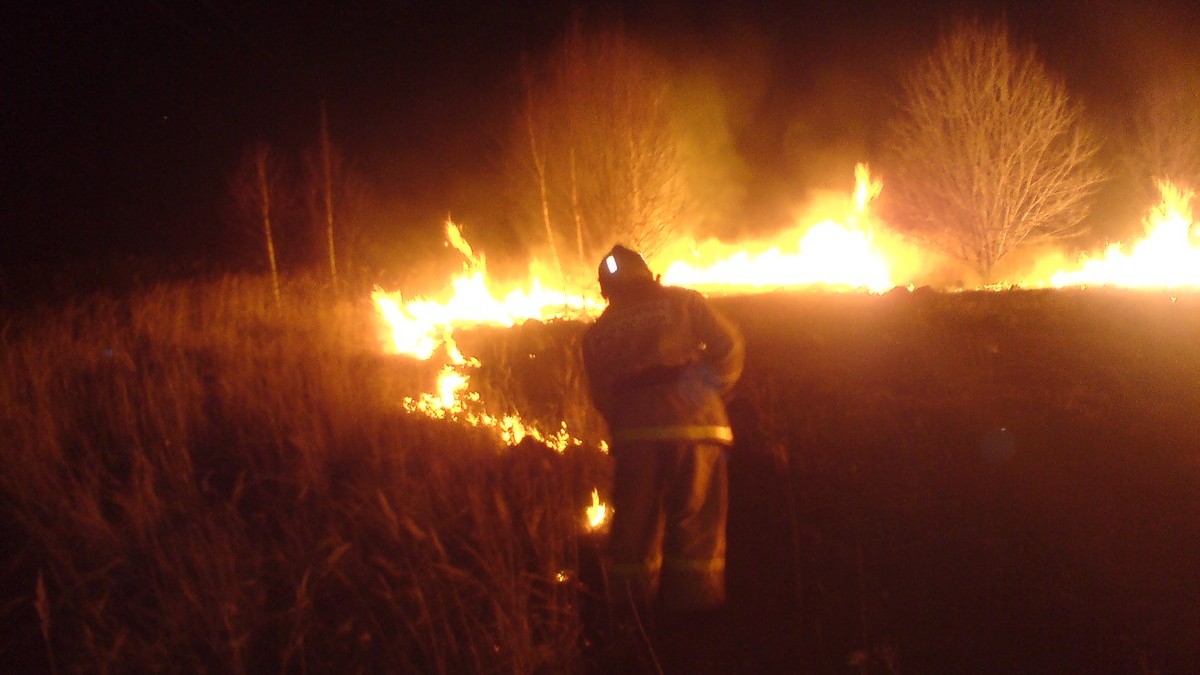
122 120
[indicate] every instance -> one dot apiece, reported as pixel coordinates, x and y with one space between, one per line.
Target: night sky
122 121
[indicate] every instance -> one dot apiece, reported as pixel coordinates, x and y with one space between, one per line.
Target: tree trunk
539 164
327 170
577 211
264 201
635 187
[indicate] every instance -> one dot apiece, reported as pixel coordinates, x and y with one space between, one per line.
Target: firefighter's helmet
622 268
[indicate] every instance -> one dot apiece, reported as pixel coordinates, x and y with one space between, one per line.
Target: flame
844 251
455 239
420 326
839 251
1167 257
597 513
456 402
423 328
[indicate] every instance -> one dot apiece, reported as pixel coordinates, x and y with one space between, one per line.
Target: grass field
977 482
197 480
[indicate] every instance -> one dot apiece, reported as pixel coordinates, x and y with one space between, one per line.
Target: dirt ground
986 482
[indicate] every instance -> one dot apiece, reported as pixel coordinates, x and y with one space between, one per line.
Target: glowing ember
597 513
843 251
454 401
1168 256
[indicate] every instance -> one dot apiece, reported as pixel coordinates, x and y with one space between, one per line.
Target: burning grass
198 480
923 482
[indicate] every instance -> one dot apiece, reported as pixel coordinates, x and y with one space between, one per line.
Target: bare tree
336 197
326 162
537 155
256 188
336 194
988 152
602 149
1163 141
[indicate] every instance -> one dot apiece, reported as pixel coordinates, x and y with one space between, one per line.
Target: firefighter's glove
697 383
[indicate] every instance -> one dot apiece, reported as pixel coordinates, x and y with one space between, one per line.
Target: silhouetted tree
326 183
256 188
987 152
602 152
336 195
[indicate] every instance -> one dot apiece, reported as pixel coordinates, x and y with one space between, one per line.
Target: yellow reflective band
611 261
680 433
689 565
635 569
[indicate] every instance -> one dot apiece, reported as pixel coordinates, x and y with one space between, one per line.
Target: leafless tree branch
988 152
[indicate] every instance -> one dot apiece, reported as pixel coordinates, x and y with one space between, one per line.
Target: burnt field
199 480
975 482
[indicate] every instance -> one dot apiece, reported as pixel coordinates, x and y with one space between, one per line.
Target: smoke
725 85
712 169
773 111
831 127
1111 50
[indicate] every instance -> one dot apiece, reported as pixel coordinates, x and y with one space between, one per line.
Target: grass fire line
199 474
424 329
838 247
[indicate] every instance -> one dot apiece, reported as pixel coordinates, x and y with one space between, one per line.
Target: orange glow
840 249
597 513
456 402
843 250
418 327
837 245
1167 257
422 328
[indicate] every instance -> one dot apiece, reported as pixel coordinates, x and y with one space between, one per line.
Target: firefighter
660 361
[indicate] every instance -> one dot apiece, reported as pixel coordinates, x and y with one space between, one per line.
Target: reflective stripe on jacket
723 434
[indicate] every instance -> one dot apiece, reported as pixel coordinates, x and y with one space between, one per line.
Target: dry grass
197 480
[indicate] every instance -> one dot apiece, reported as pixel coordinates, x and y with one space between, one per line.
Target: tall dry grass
195 479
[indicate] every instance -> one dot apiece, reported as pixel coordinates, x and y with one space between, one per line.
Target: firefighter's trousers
670 503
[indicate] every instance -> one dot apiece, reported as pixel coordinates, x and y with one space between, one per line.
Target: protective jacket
659 361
